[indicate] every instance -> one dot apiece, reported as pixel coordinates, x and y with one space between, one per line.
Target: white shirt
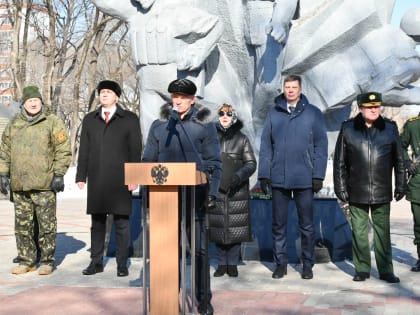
288 107
110 110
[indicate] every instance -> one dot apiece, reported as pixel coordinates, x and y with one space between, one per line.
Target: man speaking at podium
185 133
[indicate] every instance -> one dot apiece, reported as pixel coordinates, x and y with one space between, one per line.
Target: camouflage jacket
32 152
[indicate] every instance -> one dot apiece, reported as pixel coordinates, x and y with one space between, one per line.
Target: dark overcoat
230 221
104 148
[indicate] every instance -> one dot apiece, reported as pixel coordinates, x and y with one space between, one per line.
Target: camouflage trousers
43 205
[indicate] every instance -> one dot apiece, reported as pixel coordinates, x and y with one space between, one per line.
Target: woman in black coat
230 222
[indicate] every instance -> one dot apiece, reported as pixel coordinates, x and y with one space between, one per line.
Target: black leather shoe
220 271
390 278
122 271
205 310
280 272
232 270
361 276
307 272
416 267
93 268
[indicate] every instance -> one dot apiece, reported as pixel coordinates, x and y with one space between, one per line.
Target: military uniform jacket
365 159
32 151
410 138
230 221
104 148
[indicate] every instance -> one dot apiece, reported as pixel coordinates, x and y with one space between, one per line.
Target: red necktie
106 116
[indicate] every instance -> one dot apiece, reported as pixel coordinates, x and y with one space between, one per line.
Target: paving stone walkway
66 291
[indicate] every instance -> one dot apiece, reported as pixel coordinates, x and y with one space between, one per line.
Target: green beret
370 99
30 92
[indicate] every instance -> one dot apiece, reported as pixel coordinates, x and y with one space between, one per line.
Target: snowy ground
70 188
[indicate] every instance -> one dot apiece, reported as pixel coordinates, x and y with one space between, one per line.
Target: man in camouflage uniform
410 138
35 154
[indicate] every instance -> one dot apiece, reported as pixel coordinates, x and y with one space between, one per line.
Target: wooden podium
163 180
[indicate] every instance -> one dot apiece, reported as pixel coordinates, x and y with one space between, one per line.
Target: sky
402 6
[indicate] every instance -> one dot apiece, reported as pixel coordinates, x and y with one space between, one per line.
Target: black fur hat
183 86
109 85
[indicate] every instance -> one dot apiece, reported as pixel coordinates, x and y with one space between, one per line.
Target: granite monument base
332 232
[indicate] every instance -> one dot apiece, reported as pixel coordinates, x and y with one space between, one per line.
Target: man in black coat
186 134
110 137
368 151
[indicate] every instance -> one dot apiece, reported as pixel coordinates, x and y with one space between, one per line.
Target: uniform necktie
292 109
106 116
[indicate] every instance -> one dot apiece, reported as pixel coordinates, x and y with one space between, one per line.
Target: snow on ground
70 188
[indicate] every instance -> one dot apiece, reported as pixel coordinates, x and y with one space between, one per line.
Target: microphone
173 118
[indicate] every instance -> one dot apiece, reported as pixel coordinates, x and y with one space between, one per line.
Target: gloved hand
343 196
234 183
4 184
411 167
211 202
174 115
316 185
57 183
172 120
265 184
398 195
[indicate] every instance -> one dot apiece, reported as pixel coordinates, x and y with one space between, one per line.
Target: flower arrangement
257 193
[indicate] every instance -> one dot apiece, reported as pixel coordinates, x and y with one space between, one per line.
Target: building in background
6 35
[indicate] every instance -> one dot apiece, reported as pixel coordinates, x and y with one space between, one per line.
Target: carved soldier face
146 4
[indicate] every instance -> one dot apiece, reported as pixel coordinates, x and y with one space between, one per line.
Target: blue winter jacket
294 146
192 139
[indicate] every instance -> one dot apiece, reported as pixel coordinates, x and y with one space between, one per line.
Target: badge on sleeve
60 136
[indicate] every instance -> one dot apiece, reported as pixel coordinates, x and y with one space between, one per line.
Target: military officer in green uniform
367 153
410 138
35 154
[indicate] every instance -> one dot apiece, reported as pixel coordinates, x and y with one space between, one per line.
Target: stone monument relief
238 51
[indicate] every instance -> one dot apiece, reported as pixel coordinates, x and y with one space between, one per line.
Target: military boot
45 270
19 269
416 267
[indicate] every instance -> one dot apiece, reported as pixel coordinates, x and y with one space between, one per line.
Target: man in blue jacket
185 132
292 162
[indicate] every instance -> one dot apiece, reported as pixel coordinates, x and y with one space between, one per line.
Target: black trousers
304 205
202 266
122 238
228 254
